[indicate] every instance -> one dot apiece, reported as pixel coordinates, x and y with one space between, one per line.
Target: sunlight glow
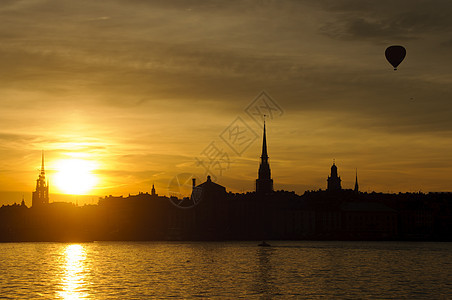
74 176
73 280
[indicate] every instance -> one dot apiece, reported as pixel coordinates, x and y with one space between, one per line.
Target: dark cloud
447 43
6 137
387 20
17 141
358 28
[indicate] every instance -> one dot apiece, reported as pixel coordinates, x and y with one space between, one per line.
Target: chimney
194 182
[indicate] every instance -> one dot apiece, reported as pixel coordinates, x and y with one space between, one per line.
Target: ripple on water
226 270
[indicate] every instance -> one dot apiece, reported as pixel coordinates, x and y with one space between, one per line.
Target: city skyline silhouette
263 183
136 100
211 212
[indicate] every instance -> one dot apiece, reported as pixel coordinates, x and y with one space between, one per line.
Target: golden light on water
75 176
73 279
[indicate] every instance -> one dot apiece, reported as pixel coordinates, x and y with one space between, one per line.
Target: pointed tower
41 195
153 190
334 181
356 190
264 183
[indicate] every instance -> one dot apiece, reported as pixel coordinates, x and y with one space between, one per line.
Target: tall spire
264 183
356 182
264 155
42 163
41 195
153 190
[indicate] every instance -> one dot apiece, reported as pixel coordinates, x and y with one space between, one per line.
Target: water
305 270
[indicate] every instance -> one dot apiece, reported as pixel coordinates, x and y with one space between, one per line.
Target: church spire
356 182
42 163
41 195
264 155
264 183
153 190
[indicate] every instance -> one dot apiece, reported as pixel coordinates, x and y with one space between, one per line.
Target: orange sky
142 88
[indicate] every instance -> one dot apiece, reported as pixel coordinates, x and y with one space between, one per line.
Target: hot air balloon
395 55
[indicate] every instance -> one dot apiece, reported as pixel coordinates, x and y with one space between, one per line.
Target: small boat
264 244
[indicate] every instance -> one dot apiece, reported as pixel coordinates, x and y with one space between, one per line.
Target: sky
149 92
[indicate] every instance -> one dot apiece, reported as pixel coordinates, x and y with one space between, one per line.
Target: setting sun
74 176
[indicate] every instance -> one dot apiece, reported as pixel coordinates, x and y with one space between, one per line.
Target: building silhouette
334 181
41 195
264 183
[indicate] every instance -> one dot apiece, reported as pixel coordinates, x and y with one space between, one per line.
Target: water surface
140 270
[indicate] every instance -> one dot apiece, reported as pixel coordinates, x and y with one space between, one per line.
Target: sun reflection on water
73 277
